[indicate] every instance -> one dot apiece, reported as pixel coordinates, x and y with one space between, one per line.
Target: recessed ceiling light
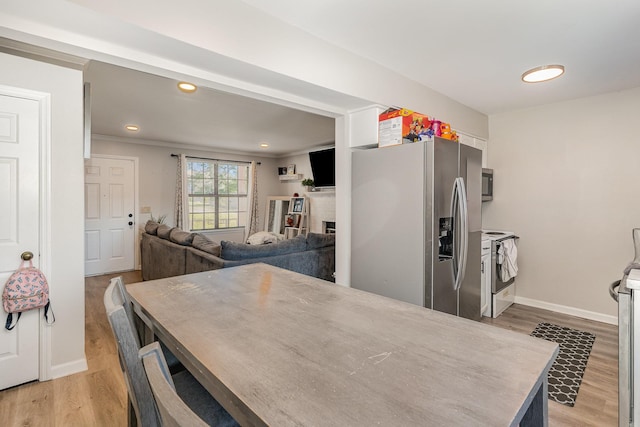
543 73
264 145
187 87
132 128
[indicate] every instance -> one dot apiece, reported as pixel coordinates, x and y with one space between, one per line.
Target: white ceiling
476 51
207 117
471 51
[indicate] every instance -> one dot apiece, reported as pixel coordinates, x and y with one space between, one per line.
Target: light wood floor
97 397
597 402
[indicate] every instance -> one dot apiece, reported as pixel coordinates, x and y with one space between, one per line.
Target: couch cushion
164 231
316 240
239 251
151 227
204 244
181 237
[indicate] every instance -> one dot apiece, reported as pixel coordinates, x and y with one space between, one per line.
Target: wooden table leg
143 327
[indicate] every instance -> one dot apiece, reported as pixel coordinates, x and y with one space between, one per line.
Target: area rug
565 375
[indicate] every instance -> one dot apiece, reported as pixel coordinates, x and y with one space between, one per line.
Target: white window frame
242 209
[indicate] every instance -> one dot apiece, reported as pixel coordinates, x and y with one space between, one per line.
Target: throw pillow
181 237
318 240
202 243
151 227
164 231
233 251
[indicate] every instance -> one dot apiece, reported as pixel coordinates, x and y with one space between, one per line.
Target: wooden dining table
278 348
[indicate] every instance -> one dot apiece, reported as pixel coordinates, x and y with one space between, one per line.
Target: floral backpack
26 289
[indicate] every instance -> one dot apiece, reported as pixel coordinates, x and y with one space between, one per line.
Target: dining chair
124 299
140 394
191 409
135 377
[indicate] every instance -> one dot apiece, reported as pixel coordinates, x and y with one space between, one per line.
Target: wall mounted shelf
294 177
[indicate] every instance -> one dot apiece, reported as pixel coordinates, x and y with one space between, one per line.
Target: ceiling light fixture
187 87
264 145
132 128
543 73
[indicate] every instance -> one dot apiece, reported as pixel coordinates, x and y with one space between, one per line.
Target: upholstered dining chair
174 410
140 394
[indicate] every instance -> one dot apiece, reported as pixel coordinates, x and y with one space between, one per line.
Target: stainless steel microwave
487 184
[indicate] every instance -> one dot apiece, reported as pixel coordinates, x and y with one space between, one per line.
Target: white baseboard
572 311
69 368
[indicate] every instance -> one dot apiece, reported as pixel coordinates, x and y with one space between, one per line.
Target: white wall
567 182
303 167
66 278
157 176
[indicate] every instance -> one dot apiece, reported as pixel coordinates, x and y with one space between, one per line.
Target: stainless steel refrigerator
416 224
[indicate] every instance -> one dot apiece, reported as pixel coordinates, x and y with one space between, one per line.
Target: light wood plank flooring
97 397
597 402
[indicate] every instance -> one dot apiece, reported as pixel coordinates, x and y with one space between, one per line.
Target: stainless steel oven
627 293
623 296
502 292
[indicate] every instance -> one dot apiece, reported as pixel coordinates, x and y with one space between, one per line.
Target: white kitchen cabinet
475 142
363 126
481 144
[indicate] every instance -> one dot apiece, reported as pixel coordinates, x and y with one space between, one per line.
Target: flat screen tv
323 167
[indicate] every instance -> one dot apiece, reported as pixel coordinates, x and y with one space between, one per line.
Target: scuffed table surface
279 348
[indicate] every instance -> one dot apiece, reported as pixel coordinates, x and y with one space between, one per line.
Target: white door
19 228
109 198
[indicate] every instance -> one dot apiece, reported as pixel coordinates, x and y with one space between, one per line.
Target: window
217 194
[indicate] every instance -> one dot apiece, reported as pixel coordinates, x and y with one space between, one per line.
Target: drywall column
343 202
65 248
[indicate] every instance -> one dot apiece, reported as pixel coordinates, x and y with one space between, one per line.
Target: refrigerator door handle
459 203
464 229
455 264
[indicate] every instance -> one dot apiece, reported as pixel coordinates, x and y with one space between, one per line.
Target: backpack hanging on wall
26 289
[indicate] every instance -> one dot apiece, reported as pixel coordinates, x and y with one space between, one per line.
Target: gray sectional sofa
167 252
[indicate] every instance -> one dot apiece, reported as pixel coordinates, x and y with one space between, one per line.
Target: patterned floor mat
565 375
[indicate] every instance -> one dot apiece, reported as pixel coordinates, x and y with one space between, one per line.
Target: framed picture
282 171
290 221
291 170
298 203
